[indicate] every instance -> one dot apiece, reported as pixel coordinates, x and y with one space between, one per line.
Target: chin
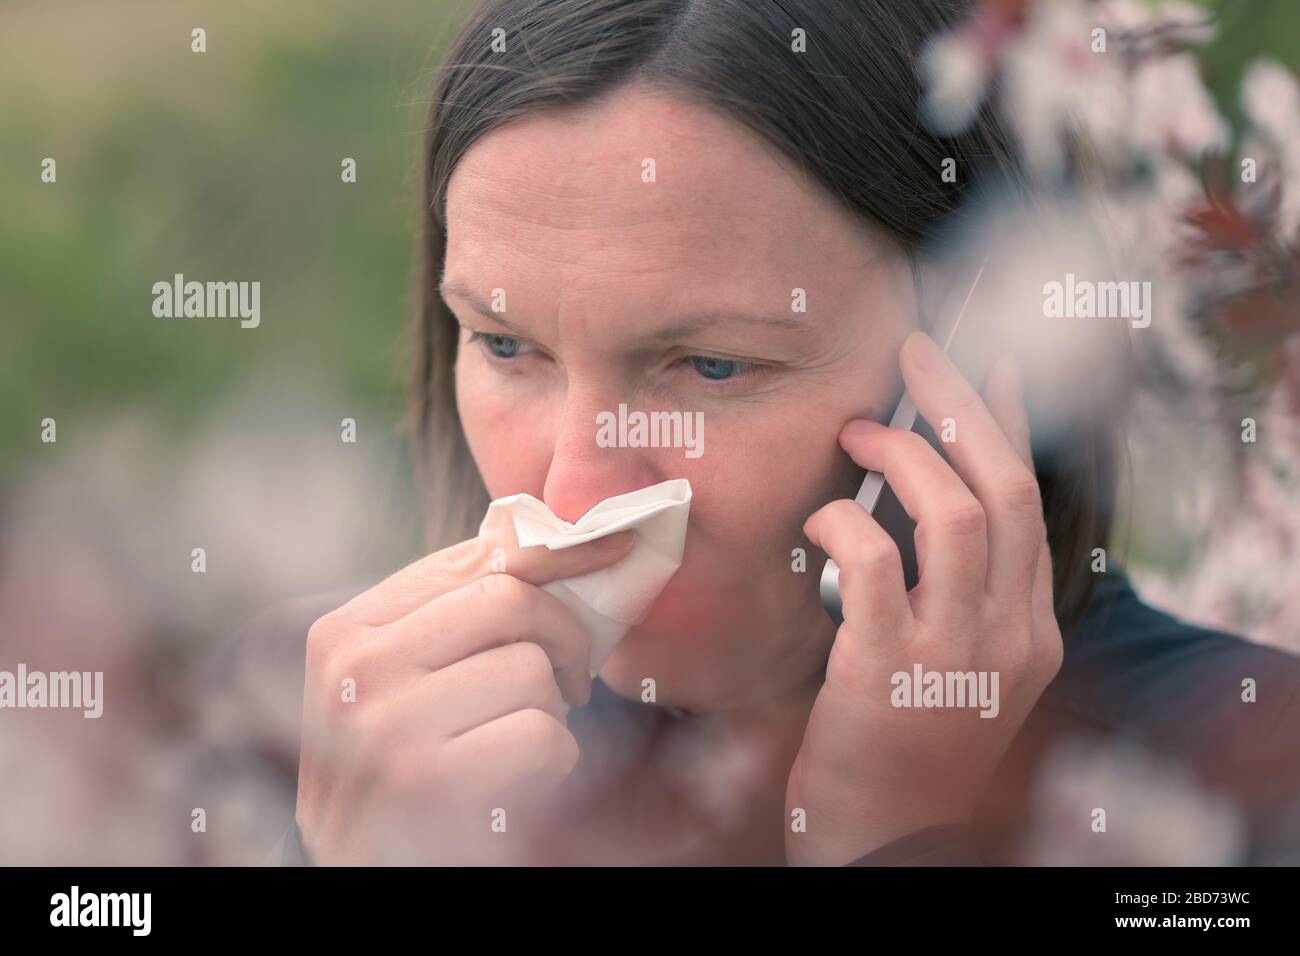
683 664
687 644
704 642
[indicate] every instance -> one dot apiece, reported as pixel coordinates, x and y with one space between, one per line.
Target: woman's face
677 294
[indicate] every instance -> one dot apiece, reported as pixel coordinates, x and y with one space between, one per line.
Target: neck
734 765
775 712
714 781
754 740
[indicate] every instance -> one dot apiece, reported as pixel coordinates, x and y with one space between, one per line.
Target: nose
582 473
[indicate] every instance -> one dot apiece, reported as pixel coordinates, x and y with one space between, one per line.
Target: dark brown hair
846 111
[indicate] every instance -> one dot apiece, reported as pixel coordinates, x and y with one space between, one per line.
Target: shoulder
1132 666
1220 704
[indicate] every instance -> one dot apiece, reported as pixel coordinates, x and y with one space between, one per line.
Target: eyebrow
686 326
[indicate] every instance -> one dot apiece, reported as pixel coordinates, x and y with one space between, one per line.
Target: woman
620 197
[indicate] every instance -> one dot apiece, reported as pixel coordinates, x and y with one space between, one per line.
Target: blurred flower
98 576
1172 111
1271 99
955 71
956 67
1110 74
1055 83
1155 812
1135 136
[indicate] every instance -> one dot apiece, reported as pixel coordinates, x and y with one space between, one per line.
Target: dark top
1145 720
1167 698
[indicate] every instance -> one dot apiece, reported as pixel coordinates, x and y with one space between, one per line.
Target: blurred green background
226 165
223 165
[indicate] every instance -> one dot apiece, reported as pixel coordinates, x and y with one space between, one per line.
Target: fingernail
927 354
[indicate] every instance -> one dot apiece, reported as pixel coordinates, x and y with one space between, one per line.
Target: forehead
560 193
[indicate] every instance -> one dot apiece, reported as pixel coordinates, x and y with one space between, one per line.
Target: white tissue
609 601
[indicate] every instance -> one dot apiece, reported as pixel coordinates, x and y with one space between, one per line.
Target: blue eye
505 347
717 369
502 346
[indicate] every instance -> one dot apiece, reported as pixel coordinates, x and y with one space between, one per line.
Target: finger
1004 398
474 691
1044 599
950 534
499 755
494 551
984 457
1004 395
872 588
488 612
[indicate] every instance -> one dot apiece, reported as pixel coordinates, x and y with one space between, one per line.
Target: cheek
758 485
507 438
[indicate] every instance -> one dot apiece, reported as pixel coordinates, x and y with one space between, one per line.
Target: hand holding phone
879 500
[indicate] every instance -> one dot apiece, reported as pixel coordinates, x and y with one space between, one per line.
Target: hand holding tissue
611 600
